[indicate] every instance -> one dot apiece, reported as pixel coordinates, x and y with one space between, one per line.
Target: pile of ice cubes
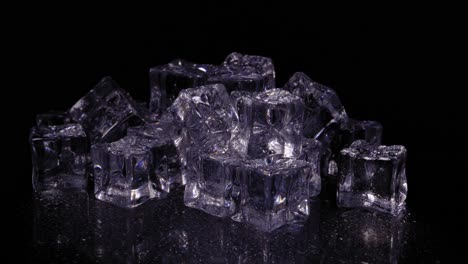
241 147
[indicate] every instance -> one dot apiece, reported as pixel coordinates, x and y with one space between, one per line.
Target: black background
385 67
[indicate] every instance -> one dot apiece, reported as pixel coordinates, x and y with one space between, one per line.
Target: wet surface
76 228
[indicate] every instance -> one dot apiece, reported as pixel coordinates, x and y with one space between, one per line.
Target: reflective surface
72 227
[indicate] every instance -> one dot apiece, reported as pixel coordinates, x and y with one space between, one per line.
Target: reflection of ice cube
270 123
364 237
119 234
322 104
61 222
168 80
214 240
60 157
105 112
293 244
373 177
274 192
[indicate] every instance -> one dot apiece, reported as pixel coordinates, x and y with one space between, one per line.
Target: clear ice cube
373 177
163 139
270 123
274 192
168 80
215 189
314 153
207 116
167 164
262 66
143 111
124 172
322 104
165 127
59 157
238 79
53 118
106 112
338 135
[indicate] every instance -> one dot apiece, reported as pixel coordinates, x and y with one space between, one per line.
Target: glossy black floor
76 228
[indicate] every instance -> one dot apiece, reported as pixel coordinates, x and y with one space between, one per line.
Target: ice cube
242 128
165 127
53 118
164 138
338 135
238 79
106 111
373 177
215 189
314 153
206 114
59 157
168 80
244 73
274 192
270 123
167 164
143 111
262 66
322 104
124 172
